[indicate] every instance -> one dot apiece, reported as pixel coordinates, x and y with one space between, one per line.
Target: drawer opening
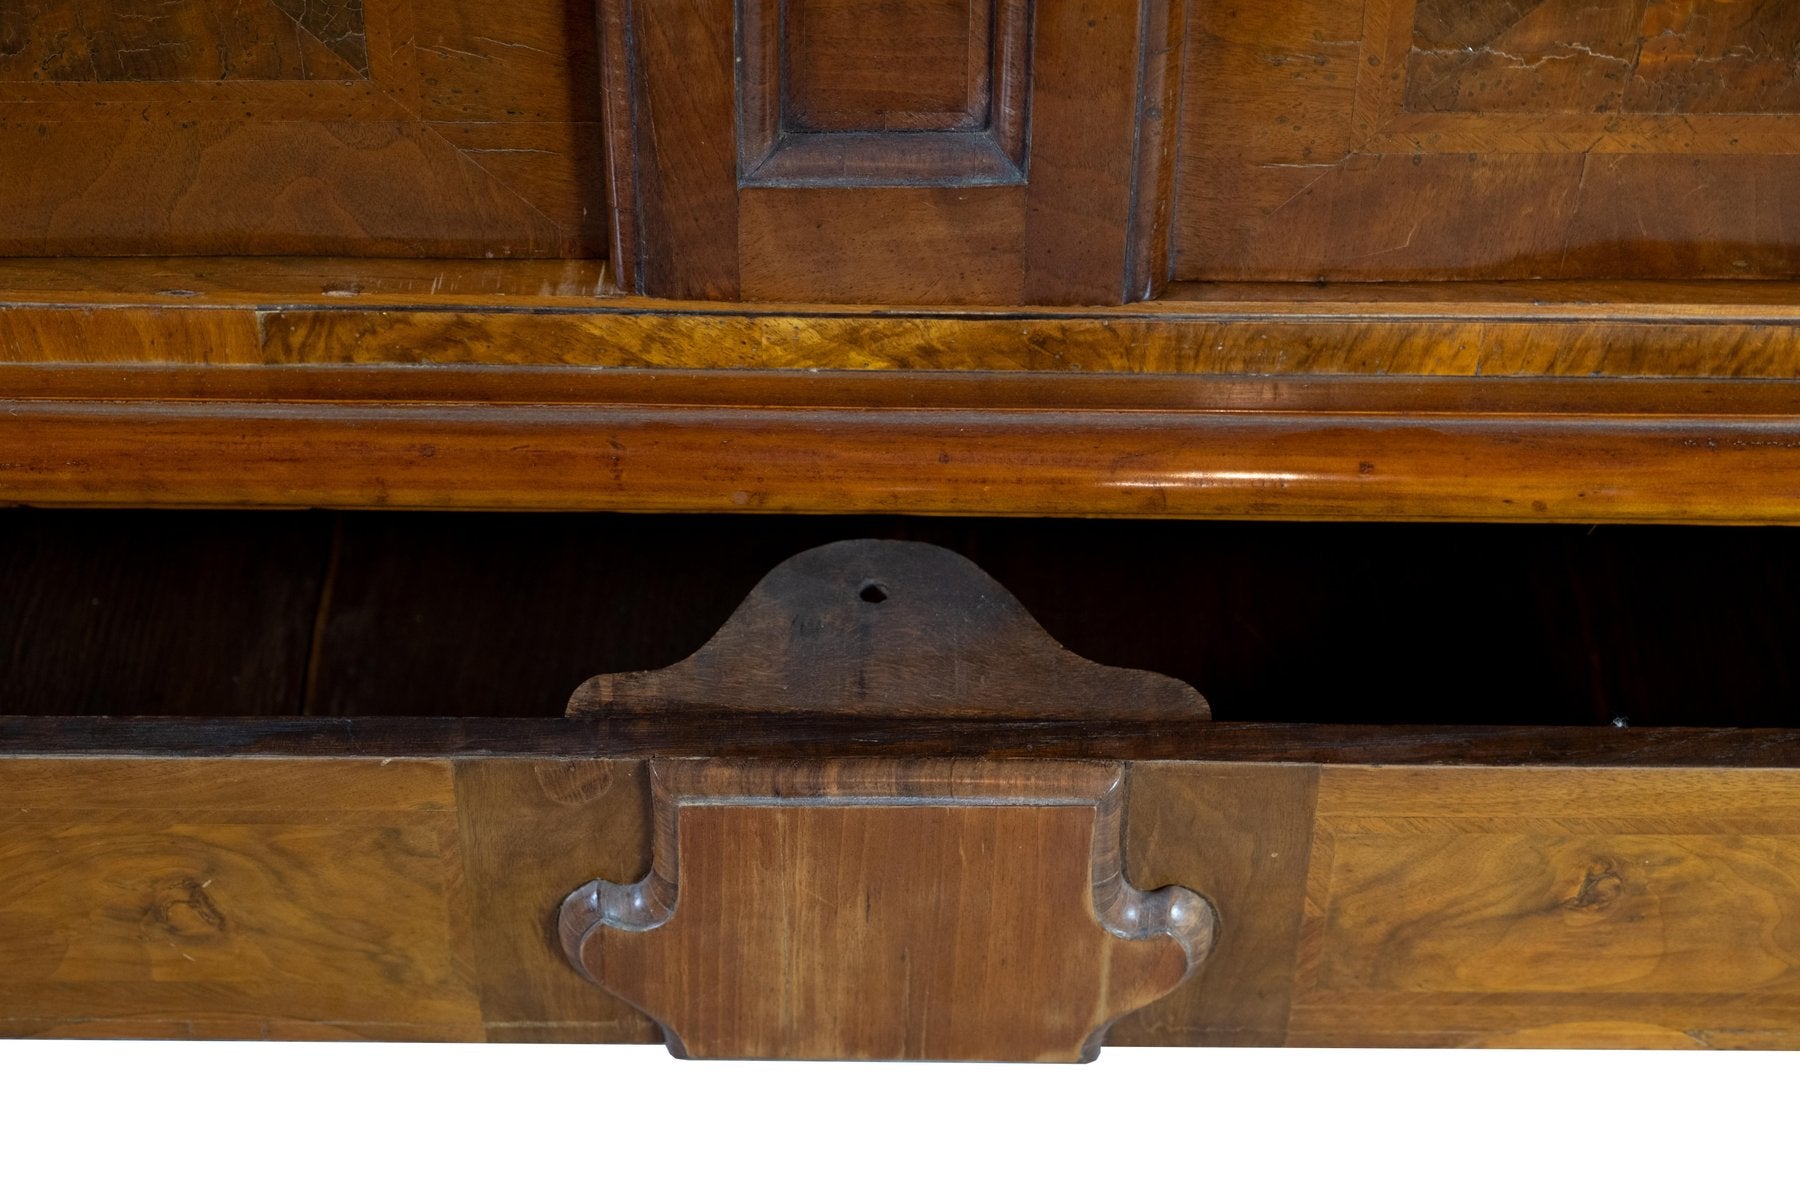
234 614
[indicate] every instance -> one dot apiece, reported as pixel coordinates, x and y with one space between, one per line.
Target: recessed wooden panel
1502 139
895 64
906 93
933 102
270 127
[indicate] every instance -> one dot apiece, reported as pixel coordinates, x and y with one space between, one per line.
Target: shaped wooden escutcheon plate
887 908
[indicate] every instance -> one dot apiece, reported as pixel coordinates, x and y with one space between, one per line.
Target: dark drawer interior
395 614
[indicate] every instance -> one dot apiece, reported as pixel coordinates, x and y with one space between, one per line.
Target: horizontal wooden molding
666 734
574 457
434 385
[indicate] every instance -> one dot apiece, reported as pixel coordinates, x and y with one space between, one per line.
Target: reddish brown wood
866 909
914 92
1489 139
935 63
696 459
885 158
274 127
448 385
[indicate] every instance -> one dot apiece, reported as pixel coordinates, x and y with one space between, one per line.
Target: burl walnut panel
1458 906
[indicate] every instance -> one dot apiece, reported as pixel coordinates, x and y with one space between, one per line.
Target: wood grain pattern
744 939
126 614
1552 907
279 127
528 828
81 41
1637 894
585 458
1668 56
917 65
924 910
908 93
187 312
1373 403
1501 139
1240 836
231 898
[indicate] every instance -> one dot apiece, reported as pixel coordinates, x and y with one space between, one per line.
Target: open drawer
881 813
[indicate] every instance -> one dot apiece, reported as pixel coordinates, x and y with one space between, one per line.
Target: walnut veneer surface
401 891
1405 259
1400 260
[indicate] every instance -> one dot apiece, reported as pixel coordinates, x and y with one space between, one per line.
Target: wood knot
1600 887
185 909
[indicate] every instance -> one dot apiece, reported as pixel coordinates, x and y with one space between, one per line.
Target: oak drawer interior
368 614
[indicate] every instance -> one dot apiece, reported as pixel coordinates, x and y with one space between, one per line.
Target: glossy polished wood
1739 470
1503 404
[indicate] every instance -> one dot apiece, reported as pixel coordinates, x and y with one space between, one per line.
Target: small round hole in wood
873 593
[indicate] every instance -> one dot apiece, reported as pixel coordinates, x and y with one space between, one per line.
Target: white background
133 1119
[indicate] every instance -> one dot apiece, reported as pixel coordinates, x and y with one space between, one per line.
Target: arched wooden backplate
888 629
886 909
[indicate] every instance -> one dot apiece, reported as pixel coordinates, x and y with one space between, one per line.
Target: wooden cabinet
1431 321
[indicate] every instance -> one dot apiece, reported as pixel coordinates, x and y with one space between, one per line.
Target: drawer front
393 897
882 814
